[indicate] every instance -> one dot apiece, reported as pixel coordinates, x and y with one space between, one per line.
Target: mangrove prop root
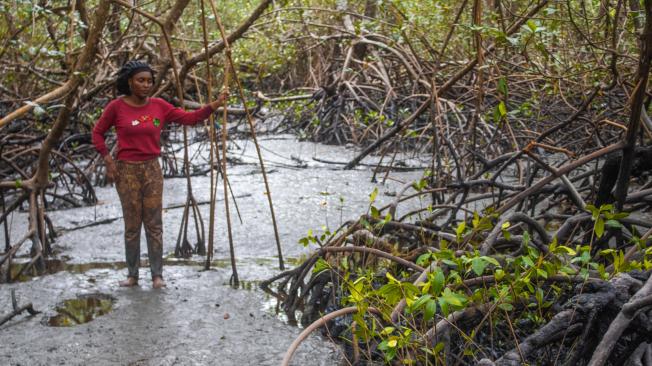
17 310
316 324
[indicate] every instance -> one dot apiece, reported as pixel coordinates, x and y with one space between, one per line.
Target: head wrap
129 69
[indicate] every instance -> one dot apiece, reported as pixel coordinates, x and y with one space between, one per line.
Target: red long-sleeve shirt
139 128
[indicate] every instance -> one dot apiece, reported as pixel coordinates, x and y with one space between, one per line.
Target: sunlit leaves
459 230
605 215
320 266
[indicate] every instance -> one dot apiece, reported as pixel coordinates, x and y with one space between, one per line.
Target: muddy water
198 319
80 310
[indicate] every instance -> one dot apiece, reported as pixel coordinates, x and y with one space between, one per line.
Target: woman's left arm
178 115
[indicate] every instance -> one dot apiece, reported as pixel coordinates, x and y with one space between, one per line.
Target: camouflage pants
140 187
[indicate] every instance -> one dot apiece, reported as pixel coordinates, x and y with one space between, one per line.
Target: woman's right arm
101 127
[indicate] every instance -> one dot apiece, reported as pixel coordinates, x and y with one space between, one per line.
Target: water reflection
81 310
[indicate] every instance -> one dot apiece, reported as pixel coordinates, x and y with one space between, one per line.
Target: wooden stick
213 143
225 181
253 132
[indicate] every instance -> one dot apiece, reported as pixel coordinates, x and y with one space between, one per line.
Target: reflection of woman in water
138 121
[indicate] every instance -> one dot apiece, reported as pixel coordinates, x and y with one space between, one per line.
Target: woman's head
135 77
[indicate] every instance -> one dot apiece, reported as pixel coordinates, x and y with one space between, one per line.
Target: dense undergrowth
531 243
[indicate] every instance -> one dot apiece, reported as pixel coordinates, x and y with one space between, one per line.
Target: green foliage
605 216
517 286
310 238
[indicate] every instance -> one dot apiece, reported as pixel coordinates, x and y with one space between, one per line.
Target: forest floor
198 319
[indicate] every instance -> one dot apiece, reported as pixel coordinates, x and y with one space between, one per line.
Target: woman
138 121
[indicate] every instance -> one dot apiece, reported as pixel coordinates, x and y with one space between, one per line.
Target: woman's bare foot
157 282
129 282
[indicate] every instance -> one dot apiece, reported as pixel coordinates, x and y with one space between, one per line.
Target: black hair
129 69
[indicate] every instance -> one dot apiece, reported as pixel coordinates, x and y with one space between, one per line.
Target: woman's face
141 83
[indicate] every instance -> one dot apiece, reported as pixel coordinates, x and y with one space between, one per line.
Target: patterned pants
140 187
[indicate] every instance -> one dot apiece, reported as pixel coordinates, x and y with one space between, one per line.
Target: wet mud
198 319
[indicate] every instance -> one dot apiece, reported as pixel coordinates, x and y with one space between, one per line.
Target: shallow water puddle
81 310
53 266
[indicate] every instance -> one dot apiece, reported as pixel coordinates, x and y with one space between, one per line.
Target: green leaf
374 212
496 115
460 230
502 108
421 301
619 215
490 260
320 266
439 347
444 306
566 249
599 227
422 260
365 223
499 274
502 85
506 306
593 210
453 298
449 262
373 195
391 278
567 270
606 252
410 289
478 265
437 281
586 256
431 309
614 224
18 183
542 273
391 292
383 346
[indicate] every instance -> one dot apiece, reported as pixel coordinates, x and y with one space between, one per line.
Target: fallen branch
17 310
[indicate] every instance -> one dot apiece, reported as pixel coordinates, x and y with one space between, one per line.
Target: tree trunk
638 97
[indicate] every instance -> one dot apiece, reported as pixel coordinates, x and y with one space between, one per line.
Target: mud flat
199 319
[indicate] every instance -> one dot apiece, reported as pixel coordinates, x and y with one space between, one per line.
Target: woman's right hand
111 169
